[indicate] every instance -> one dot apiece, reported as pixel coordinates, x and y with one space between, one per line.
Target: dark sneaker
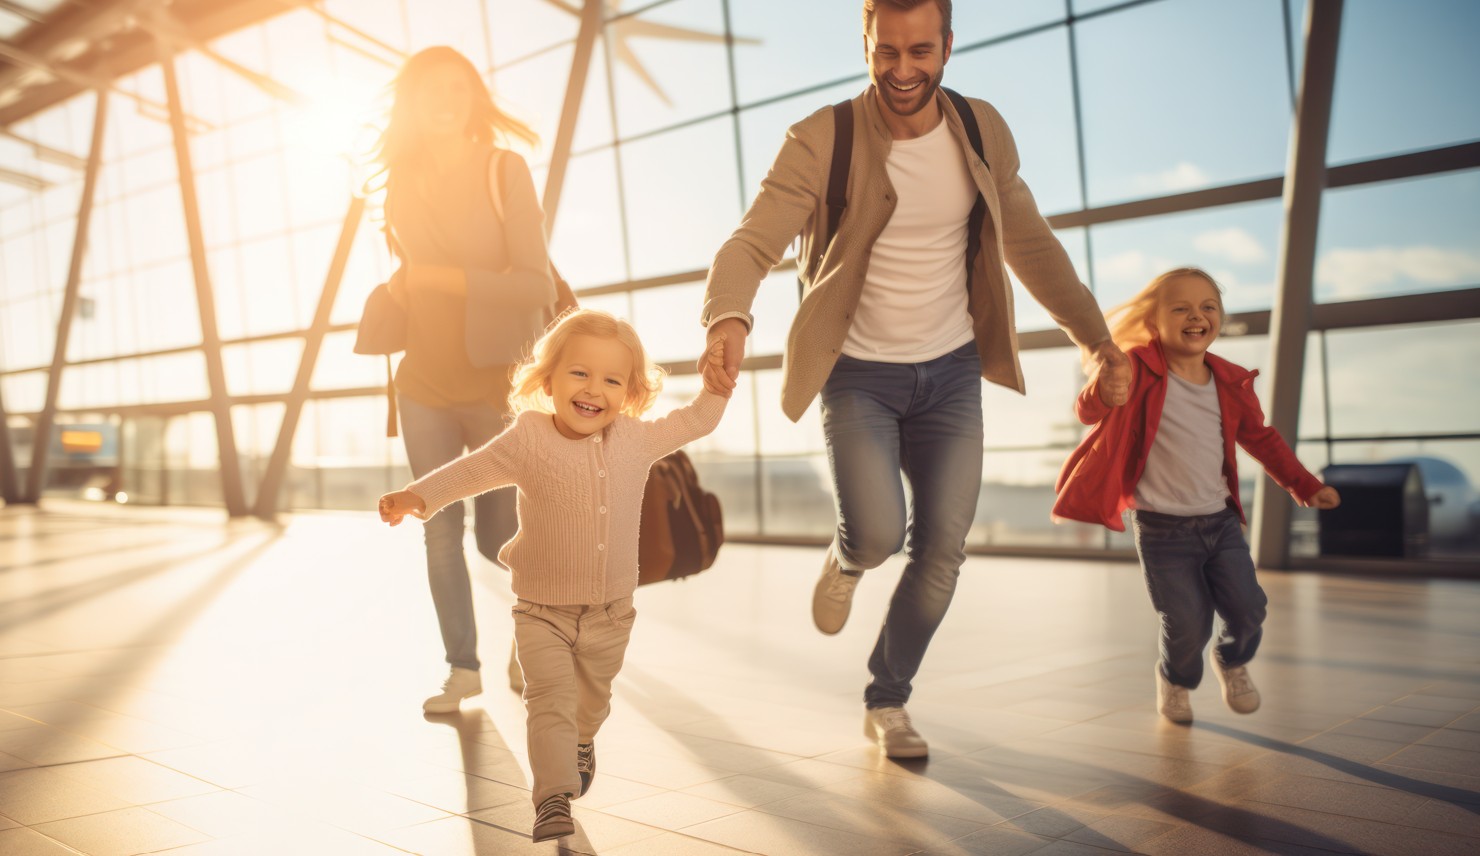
552 819
586 765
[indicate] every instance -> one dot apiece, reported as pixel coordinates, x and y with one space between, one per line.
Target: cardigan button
600 547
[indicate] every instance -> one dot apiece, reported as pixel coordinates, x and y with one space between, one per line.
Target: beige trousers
570 655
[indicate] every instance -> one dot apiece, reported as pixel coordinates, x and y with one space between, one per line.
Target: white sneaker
890 727
1172 701
1239 692
833 597
460 684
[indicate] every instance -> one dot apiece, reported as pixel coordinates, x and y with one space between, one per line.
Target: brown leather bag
682 525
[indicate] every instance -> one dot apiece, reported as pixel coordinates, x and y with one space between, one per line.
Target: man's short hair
869 6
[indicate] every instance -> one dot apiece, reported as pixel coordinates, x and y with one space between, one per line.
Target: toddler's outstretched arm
396 505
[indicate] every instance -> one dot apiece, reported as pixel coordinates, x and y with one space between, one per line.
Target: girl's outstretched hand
395 506
1325 498
714 361
1112 373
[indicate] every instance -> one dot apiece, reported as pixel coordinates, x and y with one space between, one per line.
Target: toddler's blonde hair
1130 322
532 373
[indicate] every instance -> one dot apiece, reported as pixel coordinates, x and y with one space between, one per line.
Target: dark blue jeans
434 436
1195 567
922 420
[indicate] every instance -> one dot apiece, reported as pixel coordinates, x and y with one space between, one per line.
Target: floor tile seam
979 826
1333 814
58 842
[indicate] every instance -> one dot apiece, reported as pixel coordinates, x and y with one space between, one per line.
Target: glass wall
686 103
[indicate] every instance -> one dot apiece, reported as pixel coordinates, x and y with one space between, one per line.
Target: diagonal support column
575 89
277 465
41 444
8 489
220 402
1289 326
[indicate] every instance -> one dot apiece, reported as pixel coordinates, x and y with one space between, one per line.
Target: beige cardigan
580 501
792 201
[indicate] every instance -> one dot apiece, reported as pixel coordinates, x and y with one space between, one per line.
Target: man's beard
901 103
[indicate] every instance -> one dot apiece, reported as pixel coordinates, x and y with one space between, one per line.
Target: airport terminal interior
210 644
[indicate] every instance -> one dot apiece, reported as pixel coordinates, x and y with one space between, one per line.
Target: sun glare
336 117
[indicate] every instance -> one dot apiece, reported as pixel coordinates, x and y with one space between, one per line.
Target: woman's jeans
923 420
1196 566
434 436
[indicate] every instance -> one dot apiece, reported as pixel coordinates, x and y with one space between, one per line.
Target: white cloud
1183 176
1131 267
1351 273
1232 244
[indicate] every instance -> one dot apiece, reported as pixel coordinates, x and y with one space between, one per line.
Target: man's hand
725 340
395 506
1112 373
1326 498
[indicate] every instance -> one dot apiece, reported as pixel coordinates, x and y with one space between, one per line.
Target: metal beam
277 465
231 472
8 490
23 179
575 89
46 153
1290 318
41 444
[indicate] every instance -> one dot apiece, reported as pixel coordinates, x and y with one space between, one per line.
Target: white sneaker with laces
460 684
833 597
890 727
552 819
1239 692
1172 701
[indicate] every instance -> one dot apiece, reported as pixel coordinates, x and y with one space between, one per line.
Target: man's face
907 56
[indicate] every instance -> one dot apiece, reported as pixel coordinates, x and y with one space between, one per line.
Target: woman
476 282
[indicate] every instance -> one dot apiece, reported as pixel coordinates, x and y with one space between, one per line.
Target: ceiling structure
52 49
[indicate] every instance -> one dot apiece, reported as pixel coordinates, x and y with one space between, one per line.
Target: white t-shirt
1184 470
913 305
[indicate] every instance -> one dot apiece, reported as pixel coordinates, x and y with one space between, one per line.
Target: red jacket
1098 481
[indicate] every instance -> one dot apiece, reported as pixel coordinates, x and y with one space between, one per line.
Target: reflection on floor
169 682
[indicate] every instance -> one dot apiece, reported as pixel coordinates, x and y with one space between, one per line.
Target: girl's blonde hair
1130 322
532 373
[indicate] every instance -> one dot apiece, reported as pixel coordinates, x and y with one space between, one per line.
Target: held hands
724 348
1326 498
395 506
1112 373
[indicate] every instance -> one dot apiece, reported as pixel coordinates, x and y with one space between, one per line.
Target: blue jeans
434 436
922 420
1196 566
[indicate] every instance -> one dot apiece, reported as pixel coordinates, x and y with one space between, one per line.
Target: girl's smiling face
1188 316
589 384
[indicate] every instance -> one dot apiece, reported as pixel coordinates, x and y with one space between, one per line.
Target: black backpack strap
837 177
978 210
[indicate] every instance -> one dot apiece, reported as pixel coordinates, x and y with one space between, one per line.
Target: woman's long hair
534 371
399 144
1130 322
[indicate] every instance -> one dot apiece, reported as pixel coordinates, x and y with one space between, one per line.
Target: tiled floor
173 683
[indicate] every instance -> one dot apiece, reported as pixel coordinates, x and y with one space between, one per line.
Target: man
904 312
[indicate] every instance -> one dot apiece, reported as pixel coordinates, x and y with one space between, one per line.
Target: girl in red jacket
1168 454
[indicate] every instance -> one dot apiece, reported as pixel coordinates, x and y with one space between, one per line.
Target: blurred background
183 254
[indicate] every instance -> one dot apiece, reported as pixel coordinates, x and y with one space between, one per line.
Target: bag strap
837 177
390 398
495 187
979 208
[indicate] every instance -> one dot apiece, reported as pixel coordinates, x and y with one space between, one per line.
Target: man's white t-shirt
913 305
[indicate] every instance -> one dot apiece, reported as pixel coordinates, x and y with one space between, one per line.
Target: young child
1168 454
579 456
